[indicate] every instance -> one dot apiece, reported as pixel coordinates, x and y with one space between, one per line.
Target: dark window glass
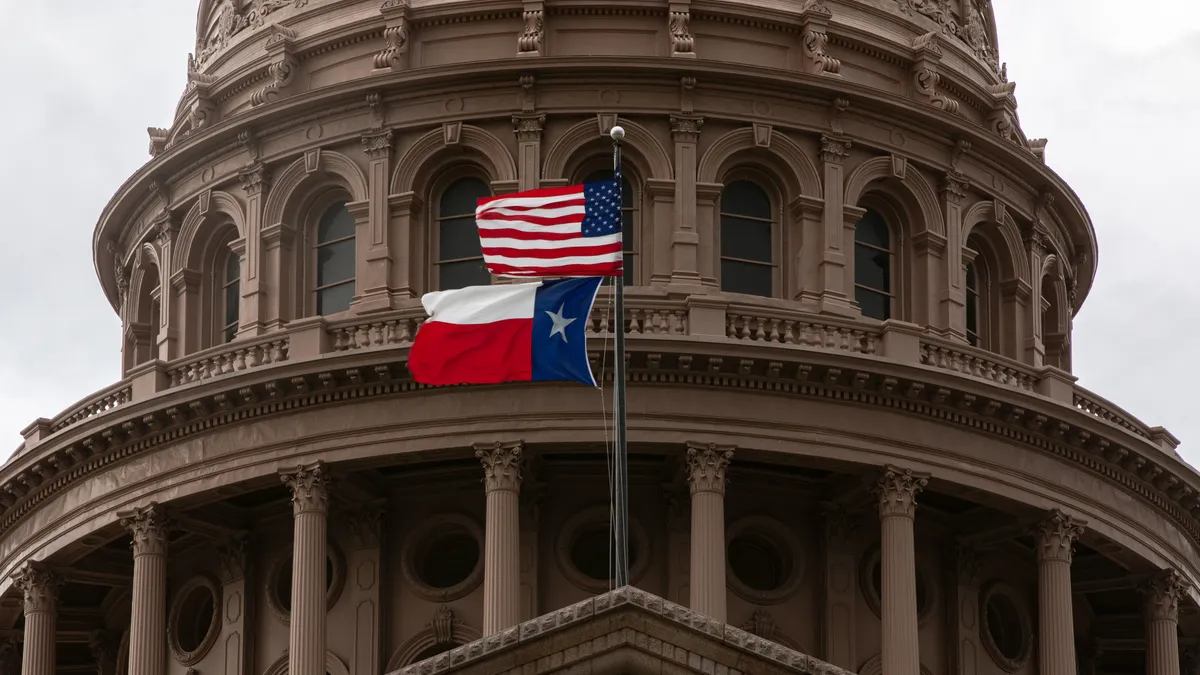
628 219
757 562
460 258
747 253
972 306
591 549
873 266
233 296
1005 626
335 260
449 559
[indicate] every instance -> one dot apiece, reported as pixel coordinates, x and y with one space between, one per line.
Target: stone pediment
623 632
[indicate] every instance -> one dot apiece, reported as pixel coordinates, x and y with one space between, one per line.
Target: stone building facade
855 441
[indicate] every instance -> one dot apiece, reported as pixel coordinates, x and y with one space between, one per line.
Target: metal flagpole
621 462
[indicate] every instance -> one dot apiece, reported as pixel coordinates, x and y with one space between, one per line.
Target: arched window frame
775 196
980 256
313 211
437 188
144 321
635 244
217 252
894 217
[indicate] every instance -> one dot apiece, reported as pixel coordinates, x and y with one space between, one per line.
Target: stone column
840 589
897 492
1056 628
706 466
364 523
685 241
147 526
40 585
502 552
1163 594
310 509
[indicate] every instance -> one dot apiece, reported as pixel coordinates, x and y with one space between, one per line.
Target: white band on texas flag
511 333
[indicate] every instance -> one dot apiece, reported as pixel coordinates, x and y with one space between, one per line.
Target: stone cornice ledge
632 618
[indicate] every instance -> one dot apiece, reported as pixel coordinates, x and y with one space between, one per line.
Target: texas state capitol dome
855 442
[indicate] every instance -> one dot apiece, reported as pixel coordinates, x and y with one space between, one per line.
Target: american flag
572 231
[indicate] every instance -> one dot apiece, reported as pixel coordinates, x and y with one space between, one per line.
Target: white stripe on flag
481 304
504 242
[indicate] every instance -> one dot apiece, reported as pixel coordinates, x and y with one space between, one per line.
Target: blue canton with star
602 210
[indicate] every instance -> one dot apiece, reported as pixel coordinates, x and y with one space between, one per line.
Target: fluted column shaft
310 508
1056 624
502 536
40 587
147 526
706 465
1163 594
897 492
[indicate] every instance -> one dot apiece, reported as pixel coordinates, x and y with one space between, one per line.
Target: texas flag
510 333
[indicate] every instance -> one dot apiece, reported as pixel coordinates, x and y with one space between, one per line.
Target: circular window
1007 631
764 559
871 578
584 549
442 559
279 582
195 620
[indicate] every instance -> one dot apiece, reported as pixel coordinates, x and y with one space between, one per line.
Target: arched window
459 257
231 297
873 266
747 251
974 313
334 254
628 221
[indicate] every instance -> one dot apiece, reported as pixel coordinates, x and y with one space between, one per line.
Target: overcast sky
83 79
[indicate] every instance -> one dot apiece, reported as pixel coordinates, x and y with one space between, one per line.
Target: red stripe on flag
559 252
540 192
568 219
610 269
484 353
485 235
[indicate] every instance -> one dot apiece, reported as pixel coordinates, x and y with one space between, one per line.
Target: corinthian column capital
39 585
309 486
501 465
147 526
706 466
1163 593
1056 535
897 491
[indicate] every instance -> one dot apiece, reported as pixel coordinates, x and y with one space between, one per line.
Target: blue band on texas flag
511 333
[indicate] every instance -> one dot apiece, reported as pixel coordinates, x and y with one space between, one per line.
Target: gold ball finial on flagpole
617 133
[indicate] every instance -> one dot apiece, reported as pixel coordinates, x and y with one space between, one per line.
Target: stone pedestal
1056 536
310 508
39 586
897 491
502 552
147 526
706 466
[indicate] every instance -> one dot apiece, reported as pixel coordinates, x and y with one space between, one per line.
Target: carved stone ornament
815 40
231 556
309 486
378 145
254 179
897 491
973 30
443 624
840 523
686 128
39 585
760 624
1056 535
364 524
706 466
834 150
395 37
530 41
501 465
968 562
280 76
955 186
1163 593
528 128
682 43
147 527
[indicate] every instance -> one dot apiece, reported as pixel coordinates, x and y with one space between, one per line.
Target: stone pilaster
374 246
897 492
528 128
1163 594
147 526
679 543
685 240
39 585
949 312
837 239
502 553
706 467
365 563
840 586
310 508
166 229
531 516
963 611
238 607
251 313
1056 535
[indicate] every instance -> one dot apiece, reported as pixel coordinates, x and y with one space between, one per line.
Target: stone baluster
39 585
1163 594
706 467
147 526
1056 535
310 508
897 492
502 552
